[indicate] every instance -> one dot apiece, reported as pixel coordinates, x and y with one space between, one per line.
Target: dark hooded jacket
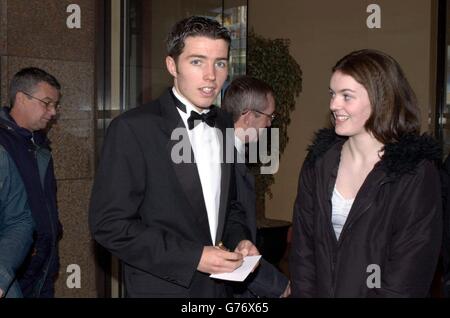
390 243
31 154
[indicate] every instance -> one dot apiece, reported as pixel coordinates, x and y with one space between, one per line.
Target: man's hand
246 248
215 260
1 293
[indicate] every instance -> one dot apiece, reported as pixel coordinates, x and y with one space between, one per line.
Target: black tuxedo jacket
150 212
267 281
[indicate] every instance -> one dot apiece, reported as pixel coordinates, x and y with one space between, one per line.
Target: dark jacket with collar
32 155
445 178
266 281
149 211
16 225
395 223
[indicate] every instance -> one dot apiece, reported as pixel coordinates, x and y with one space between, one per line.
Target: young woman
368 216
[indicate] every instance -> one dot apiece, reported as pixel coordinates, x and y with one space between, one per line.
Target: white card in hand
240 273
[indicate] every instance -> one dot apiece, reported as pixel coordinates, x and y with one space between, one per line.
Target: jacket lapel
366 196
247 196
227 147
187 173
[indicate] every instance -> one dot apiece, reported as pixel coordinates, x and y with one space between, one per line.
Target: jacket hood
8 124
6 121
399 157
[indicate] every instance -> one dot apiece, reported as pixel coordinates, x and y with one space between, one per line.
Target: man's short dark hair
194 26
246 93
27 80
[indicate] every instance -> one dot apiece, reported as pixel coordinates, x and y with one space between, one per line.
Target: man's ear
19 99
246 118
171 66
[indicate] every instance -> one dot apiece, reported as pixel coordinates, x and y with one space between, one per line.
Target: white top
339 212
206 148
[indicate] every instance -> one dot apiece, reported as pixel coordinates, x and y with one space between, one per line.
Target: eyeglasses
48 105
271 116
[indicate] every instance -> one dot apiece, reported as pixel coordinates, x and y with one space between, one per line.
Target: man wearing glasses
252 104
34 98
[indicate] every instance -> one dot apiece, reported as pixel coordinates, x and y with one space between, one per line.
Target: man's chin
43 126
205 106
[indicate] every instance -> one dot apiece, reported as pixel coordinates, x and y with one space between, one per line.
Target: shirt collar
189 106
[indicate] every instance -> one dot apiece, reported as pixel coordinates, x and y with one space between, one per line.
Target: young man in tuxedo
161 217
252 104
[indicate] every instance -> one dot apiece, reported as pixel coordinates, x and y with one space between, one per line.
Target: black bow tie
195 118
209 118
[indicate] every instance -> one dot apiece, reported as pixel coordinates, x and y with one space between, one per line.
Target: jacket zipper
334 255
54 234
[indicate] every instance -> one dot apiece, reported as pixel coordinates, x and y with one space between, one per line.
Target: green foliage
270 61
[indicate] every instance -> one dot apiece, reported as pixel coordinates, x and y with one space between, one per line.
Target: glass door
146 26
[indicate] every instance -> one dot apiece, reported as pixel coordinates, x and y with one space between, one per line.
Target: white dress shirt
207 153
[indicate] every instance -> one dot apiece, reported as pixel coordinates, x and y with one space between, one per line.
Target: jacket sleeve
118 192
302 257
416 239
267 281
16 222
236 226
